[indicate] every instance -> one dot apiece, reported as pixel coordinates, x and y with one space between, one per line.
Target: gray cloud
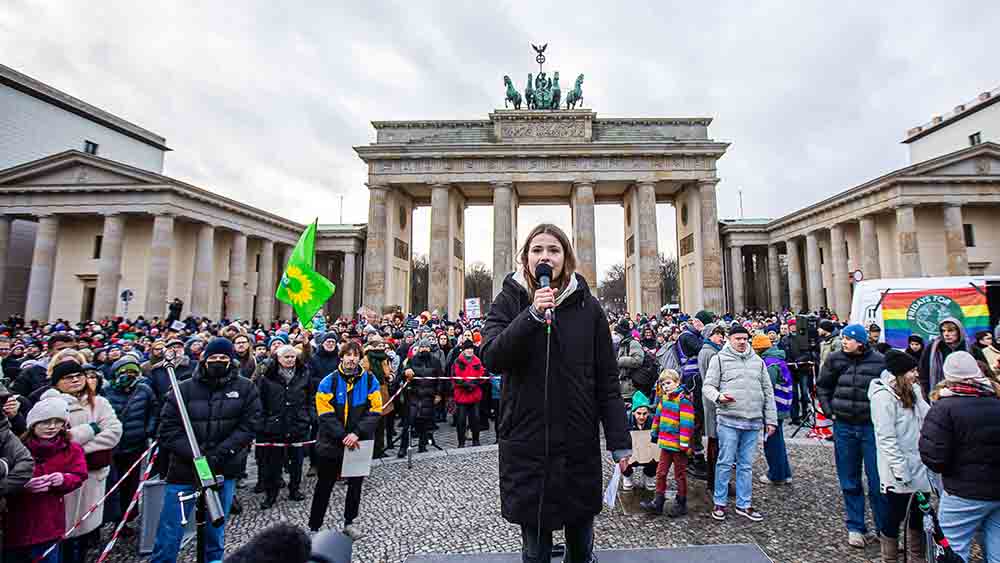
263 102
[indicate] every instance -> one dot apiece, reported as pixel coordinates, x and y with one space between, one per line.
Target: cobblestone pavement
449 502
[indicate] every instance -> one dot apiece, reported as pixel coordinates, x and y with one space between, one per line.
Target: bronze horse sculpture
576 94
513 95
529 95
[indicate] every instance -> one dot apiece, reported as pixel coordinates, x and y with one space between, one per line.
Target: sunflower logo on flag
301 286
293 277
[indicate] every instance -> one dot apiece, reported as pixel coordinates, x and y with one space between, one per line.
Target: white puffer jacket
897 434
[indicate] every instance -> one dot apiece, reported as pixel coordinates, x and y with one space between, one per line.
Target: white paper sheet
611 493
358 462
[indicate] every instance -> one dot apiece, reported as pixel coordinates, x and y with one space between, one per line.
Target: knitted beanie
51 405
63 370
961 366
760 342
855 332
899 363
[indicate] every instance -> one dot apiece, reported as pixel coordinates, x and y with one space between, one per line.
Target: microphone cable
545 418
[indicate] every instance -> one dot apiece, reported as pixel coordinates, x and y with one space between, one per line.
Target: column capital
705 182
112 213
495 183
644 183
374 186
580 182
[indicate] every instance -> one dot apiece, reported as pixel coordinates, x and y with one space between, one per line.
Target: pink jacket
35 518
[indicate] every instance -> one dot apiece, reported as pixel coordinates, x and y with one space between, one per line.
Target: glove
653 439
56 479
37 484
95 428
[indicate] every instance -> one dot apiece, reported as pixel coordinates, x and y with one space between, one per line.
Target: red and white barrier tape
277 445
128 511
97 505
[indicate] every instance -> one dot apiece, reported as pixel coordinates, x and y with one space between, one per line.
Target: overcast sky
263 104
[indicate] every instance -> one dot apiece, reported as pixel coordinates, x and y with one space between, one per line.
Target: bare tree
611 290
420 270
669 278
479 283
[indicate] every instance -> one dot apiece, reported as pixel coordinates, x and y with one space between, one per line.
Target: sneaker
750 514
719 513
856 539
627 483
765 480
353 532
650 483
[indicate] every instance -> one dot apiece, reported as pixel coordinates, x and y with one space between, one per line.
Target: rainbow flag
919 312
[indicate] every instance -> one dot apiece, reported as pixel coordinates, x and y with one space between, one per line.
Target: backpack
783 389
643 377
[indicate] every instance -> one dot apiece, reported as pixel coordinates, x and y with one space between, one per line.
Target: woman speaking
549 337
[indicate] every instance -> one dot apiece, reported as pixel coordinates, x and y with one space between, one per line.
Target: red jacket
468 390
35 518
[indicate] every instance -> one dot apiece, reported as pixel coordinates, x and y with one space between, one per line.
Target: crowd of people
83 403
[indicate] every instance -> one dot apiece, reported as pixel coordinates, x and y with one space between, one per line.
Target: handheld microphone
543 273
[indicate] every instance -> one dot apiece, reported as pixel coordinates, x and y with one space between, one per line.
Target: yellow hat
760 342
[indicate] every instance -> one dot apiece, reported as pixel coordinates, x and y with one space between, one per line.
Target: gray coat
742 376
897 435
704 357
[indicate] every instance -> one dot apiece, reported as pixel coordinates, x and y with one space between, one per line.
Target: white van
905 306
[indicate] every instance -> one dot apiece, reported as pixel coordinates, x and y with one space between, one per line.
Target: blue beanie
855 332
280 337
219 345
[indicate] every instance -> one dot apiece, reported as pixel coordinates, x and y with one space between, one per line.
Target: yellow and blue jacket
346 405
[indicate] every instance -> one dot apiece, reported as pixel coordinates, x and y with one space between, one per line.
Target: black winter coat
583 394
286 409
960 440
31 378
139 412
843 383
159 381
223 414
322 364
421 392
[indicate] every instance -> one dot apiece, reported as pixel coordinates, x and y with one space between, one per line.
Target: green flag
301 286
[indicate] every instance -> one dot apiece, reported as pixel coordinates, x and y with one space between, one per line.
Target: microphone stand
206 494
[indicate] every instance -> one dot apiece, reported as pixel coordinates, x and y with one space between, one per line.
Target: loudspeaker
744 553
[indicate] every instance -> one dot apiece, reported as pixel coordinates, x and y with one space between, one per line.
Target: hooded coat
936 352
566 406
897 434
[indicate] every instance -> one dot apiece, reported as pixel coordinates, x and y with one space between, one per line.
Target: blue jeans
736 448
961 519
778 468
854 445
170 531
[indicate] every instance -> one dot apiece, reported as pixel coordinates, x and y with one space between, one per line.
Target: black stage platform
741 553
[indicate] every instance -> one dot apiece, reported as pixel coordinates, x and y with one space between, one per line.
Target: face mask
216 370
425 355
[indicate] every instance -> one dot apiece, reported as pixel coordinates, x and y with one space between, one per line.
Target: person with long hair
898 411
559 387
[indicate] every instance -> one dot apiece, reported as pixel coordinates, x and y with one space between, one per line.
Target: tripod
808 416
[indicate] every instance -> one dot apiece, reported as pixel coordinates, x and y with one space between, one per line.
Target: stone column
814 272
774 277
711 254
203 281
4 250
158 275
238 277
584 237
438 288
348 289
284 309
265 283
954 241
909 250
43 261
838 269
376 248
794 275
736 271
109 267
871 266
649 258
503 235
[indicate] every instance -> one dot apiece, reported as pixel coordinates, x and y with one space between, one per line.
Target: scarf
974 387
43 450
286 373
375 359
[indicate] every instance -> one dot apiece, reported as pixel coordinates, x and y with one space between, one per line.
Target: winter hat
63 370
219 345
717 328
915 338
855 332
760 342
329 335
961 366
277 338
623 327
639 400
51 405
468 344
705 317
426 342
126 361
737 328
898 362
407 333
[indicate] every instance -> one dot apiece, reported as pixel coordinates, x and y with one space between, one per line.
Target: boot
296 495
475 443
915 546
890 549
270 499
679 508
655 506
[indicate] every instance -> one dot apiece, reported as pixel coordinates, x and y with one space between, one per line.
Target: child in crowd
37 517
673 425
640 420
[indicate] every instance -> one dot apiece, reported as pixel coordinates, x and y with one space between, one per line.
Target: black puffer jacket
960 440
223 414
322 364
32 377
286 409
159 381
843 384
139 412
583 395
421 392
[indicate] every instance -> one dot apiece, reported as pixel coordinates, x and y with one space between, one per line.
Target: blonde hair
64 355
665 376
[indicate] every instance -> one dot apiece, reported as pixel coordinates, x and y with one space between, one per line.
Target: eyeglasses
52 422
74 377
